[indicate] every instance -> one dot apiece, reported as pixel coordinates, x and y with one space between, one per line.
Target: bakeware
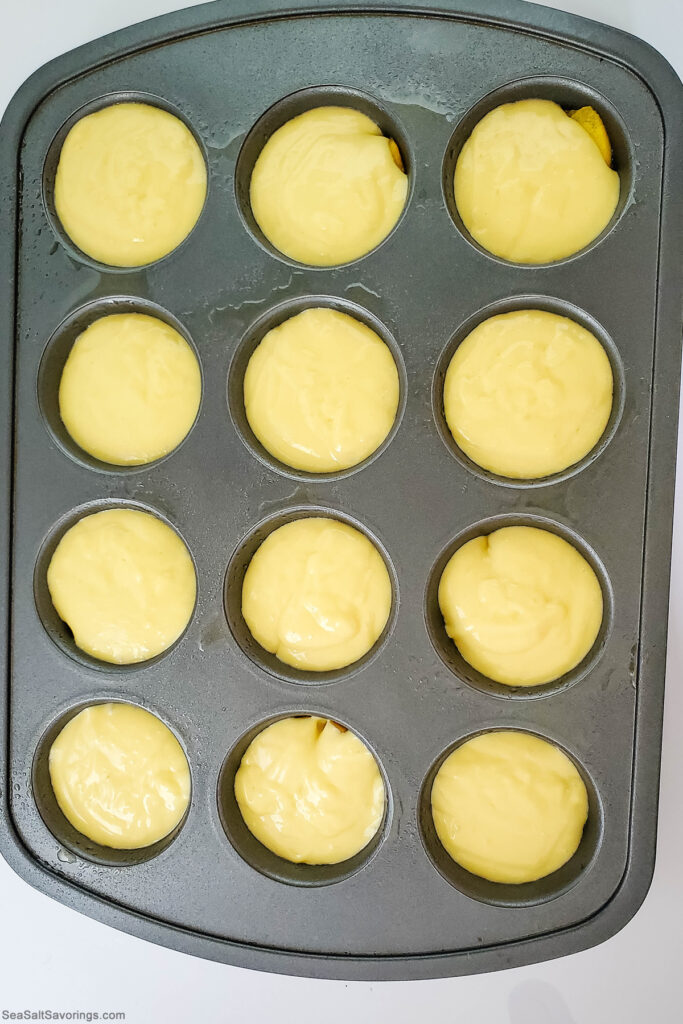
234 71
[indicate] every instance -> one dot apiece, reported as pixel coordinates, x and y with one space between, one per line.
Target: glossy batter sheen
317 594
130 389
521 604
124 583
310 791
327 186
509 807
130 184
321 391
532 185
528 393
120 776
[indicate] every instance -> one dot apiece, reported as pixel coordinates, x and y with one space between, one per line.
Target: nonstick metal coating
234 70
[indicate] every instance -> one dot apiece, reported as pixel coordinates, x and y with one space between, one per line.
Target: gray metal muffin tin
235 71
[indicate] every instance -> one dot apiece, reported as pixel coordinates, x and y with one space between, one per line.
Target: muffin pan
234 71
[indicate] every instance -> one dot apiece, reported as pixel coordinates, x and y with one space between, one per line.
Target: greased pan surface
402 910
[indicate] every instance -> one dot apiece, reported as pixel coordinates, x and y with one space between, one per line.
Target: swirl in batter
321 391
310 791
124 583
328 187
528 393
522 605
532 184
120 776
317 594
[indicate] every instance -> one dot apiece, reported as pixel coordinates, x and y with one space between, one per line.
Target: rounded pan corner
653 69
605 923
639 56
642 57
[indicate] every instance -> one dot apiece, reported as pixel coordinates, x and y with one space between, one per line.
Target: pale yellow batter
120 776
317 594
321 391
310 791
521 604
532 185
509 807
130 389
328 186
130 184
124 583
528 393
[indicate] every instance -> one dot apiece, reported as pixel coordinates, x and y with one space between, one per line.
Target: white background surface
53 958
